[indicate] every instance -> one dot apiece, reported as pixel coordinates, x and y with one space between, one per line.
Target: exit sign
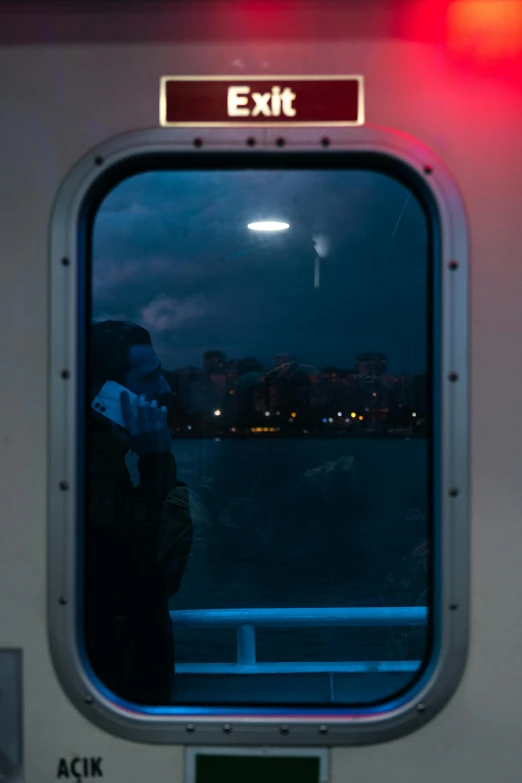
281 101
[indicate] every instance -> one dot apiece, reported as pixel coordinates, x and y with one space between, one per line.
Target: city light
268 225
323 410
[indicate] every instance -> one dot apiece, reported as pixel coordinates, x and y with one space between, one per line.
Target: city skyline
282 357
232 397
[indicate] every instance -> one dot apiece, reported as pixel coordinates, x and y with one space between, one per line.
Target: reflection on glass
270 486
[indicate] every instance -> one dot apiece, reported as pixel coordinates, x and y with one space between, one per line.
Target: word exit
267 104
225 101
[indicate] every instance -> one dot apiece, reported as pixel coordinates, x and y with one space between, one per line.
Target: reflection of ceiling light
268 225
321 244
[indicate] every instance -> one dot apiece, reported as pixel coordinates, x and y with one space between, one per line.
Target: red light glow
488 29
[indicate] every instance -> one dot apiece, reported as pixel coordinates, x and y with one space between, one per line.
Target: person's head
122 351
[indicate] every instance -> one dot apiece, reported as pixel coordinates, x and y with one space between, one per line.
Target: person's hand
147 431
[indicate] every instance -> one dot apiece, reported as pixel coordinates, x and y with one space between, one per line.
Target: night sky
172 252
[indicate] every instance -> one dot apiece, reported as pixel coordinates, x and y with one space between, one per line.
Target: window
261 506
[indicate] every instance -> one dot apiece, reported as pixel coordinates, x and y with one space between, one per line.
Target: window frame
449 347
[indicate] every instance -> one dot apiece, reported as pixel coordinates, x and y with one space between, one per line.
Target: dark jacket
137 542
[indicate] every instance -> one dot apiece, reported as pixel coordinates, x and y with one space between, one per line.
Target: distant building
275 396
214 362
250 364
332 373
282 358
260 396
400 386
193 390
232 371
419 393
371 364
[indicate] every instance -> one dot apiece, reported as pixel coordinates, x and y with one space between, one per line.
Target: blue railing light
246 645
300 618
302 667
246 620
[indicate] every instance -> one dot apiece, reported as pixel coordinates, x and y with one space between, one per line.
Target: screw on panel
325 141
63 601
428 169
453 265
421 707
98 160
64 485
65 262
190 727
66 374
323 729
453 606
251 141
280 142
453 376
453 492
198 142
284 729
89 700
227 728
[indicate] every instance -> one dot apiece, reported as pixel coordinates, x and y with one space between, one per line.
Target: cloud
113 274
165 313
171 250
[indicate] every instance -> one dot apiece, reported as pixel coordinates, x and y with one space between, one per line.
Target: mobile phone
107 402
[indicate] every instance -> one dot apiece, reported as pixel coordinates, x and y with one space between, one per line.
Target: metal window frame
249 726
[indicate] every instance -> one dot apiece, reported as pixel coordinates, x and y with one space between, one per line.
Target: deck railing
245 621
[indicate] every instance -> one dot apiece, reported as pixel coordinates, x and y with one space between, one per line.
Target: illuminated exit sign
222 101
